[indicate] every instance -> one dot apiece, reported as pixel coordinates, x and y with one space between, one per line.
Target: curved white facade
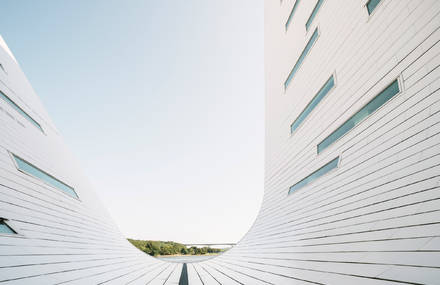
373 219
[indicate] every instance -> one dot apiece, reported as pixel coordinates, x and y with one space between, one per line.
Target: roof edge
6 48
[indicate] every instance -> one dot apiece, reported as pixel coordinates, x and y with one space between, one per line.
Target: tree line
155 248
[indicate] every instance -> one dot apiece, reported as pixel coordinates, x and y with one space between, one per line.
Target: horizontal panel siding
373 220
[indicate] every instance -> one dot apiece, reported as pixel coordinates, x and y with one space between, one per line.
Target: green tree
155 248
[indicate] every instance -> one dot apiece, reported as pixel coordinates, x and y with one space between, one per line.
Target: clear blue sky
161 101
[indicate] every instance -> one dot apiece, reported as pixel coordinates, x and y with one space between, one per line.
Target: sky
162 102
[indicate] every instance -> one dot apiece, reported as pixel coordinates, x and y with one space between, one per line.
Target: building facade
352 181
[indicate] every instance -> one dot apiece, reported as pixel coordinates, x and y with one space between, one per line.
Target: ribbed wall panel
373 220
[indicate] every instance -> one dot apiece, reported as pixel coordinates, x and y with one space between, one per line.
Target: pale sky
161 101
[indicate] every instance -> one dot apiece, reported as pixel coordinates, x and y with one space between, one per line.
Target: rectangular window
4 228
291 13
315 175
301 58
315 101
20 110
314 12
28 168
371 5
368 109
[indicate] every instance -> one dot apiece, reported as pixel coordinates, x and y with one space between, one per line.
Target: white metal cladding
373 220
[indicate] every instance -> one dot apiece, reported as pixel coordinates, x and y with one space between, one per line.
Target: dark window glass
301 57
371 5
315 101
20 110
32 170
291 13
5 228
314 12
315 175
368 109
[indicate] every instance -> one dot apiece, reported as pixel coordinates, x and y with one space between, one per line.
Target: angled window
356 119
292 12
315 175
34 171
371 5
20 110
301 58
315 101
5 228
313 15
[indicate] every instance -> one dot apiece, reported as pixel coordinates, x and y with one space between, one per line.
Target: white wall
374 220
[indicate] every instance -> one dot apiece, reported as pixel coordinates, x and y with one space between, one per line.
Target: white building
352 186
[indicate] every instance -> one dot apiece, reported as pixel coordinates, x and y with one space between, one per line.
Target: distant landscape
163 248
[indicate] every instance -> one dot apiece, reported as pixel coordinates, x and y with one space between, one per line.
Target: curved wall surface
352 186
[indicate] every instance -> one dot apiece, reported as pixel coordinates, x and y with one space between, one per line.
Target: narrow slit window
301 58
5 228
389 92
34 171
315 175
313 15
292 12
315 101
371 5
20 110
